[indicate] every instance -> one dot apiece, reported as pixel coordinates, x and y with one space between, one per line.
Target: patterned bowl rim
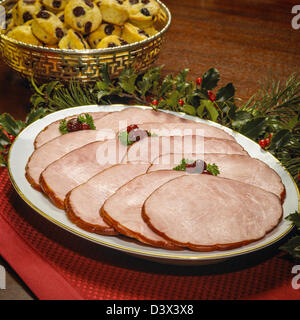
113 50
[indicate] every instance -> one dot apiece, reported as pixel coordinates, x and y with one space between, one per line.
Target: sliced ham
57 148
84 202
185 129
151 148
123 209
205 213
107 125
52 130
78 166
118 121
231 166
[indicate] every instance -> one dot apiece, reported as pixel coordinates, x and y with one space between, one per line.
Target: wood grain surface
245 40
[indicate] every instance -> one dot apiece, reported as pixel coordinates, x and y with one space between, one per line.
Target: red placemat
56 264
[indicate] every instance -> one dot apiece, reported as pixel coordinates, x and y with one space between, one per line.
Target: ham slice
52 130
118 121
231 166
205 213
84 202
107 125
185 129
151 148
78 166
123 209
57 148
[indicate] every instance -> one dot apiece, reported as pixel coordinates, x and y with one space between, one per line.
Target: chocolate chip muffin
47 27
142 12
54 5
110 42
83 16
24 10
105 29
73 40
133 34
114 11
24 34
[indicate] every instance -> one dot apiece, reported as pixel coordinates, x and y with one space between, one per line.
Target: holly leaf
123 137
280 139
225 93
292 247
295 218
254 128
210 79
149 80
127 80
10 125
240 118
4 140
189 109
36 114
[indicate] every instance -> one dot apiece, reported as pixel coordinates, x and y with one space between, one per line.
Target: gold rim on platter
46 64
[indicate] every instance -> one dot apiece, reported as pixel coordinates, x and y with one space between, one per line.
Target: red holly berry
181 102
11 138
298 176
211 95
155 102
267 141
262 143
199 81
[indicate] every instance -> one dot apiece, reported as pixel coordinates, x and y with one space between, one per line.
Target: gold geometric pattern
54 64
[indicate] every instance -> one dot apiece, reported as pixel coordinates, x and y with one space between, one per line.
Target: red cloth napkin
56 264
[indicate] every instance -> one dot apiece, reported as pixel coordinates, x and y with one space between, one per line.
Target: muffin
25 10
105 29
114 11
142 12
24 34
47 27
133 34
73 40
110 42
82 16
54 5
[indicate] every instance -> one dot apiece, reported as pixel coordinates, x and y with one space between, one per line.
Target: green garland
270 117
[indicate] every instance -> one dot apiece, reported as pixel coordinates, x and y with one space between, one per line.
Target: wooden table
246 41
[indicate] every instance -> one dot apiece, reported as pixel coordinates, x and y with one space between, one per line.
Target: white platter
23 147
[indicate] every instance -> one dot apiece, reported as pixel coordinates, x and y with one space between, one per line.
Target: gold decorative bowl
46 64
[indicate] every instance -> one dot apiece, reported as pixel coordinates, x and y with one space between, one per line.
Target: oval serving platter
23 147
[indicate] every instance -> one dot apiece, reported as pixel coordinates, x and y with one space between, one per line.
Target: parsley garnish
182 165
123 136
63 126
86 118
213 169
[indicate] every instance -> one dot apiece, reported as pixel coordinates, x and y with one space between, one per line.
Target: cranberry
155 102
132 127
137 135
73 125
85 126
199 81
298 176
